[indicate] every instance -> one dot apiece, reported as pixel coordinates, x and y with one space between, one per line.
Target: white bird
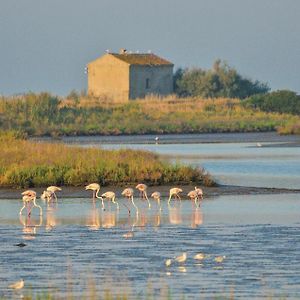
17 285
199 192
95 187
47 196
219 259
53 189
128 193
258 145
181 258
156 196
143 194
111 196
128 235
168 262
28 197
175 192
199 256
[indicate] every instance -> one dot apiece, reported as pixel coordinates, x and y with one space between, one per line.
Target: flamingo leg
137 210
55 197
115 202
103 208
169 199
34 204
24 205
158 202
145 195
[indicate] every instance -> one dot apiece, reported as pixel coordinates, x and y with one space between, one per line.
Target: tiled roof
142 59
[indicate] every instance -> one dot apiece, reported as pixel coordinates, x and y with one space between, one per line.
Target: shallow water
76 242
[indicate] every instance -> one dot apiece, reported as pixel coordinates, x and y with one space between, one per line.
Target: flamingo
95 187
128 193
174 192
199 192
29 196
111 196
193 196
53 189
156 196
47 195
143 194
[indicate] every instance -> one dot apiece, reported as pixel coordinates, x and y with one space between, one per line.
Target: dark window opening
147 83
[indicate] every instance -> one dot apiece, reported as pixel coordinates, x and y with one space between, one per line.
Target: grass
25 164
44 114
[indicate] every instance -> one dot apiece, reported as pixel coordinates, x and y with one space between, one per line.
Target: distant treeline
45 114
27 164
220 81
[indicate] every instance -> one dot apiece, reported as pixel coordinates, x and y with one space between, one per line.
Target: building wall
145 80
109 77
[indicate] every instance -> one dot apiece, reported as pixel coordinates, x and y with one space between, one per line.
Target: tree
220 81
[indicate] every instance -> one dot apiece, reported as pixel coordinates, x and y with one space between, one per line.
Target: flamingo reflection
175 217
29 226
196 218
93 219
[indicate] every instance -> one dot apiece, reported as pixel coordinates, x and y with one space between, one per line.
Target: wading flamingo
47 196
156 196
28 197
143 192
128 193
174 192
110 196
53 189
199 192
193 195
95 187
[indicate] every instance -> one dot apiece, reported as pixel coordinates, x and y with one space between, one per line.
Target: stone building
125 76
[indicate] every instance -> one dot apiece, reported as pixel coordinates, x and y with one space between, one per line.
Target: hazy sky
45 44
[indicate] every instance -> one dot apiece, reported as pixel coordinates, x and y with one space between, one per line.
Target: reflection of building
126 76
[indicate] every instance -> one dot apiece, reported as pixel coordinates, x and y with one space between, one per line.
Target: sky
46 44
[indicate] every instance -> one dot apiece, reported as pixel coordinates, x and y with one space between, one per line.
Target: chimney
123 51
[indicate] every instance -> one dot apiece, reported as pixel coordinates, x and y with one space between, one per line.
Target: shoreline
220 190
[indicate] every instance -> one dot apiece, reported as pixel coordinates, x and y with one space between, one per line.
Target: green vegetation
44 114
284 101
28 164
221 81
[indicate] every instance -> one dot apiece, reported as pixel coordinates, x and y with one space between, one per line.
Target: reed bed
43 114
33 164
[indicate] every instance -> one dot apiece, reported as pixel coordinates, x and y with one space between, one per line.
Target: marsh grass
44 114
26 164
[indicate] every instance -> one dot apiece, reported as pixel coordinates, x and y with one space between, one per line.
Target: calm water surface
75 241
233 159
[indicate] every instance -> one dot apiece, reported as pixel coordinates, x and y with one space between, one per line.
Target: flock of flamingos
29 196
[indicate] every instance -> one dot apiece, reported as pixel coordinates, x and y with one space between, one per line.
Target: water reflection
30 225
50 218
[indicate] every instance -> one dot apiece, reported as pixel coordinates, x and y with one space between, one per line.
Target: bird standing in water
128 193
95 187
53 189
156 196
181 258
199 192
143 192
29 196
111 196
174 192
193 196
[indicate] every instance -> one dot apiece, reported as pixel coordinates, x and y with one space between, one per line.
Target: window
147 83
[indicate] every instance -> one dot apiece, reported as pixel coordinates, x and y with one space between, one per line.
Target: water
76 242
233 159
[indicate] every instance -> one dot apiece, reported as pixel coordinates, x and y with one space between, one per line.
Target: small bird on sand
168 262
219 259
199 256
181 258
21 244
17 285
